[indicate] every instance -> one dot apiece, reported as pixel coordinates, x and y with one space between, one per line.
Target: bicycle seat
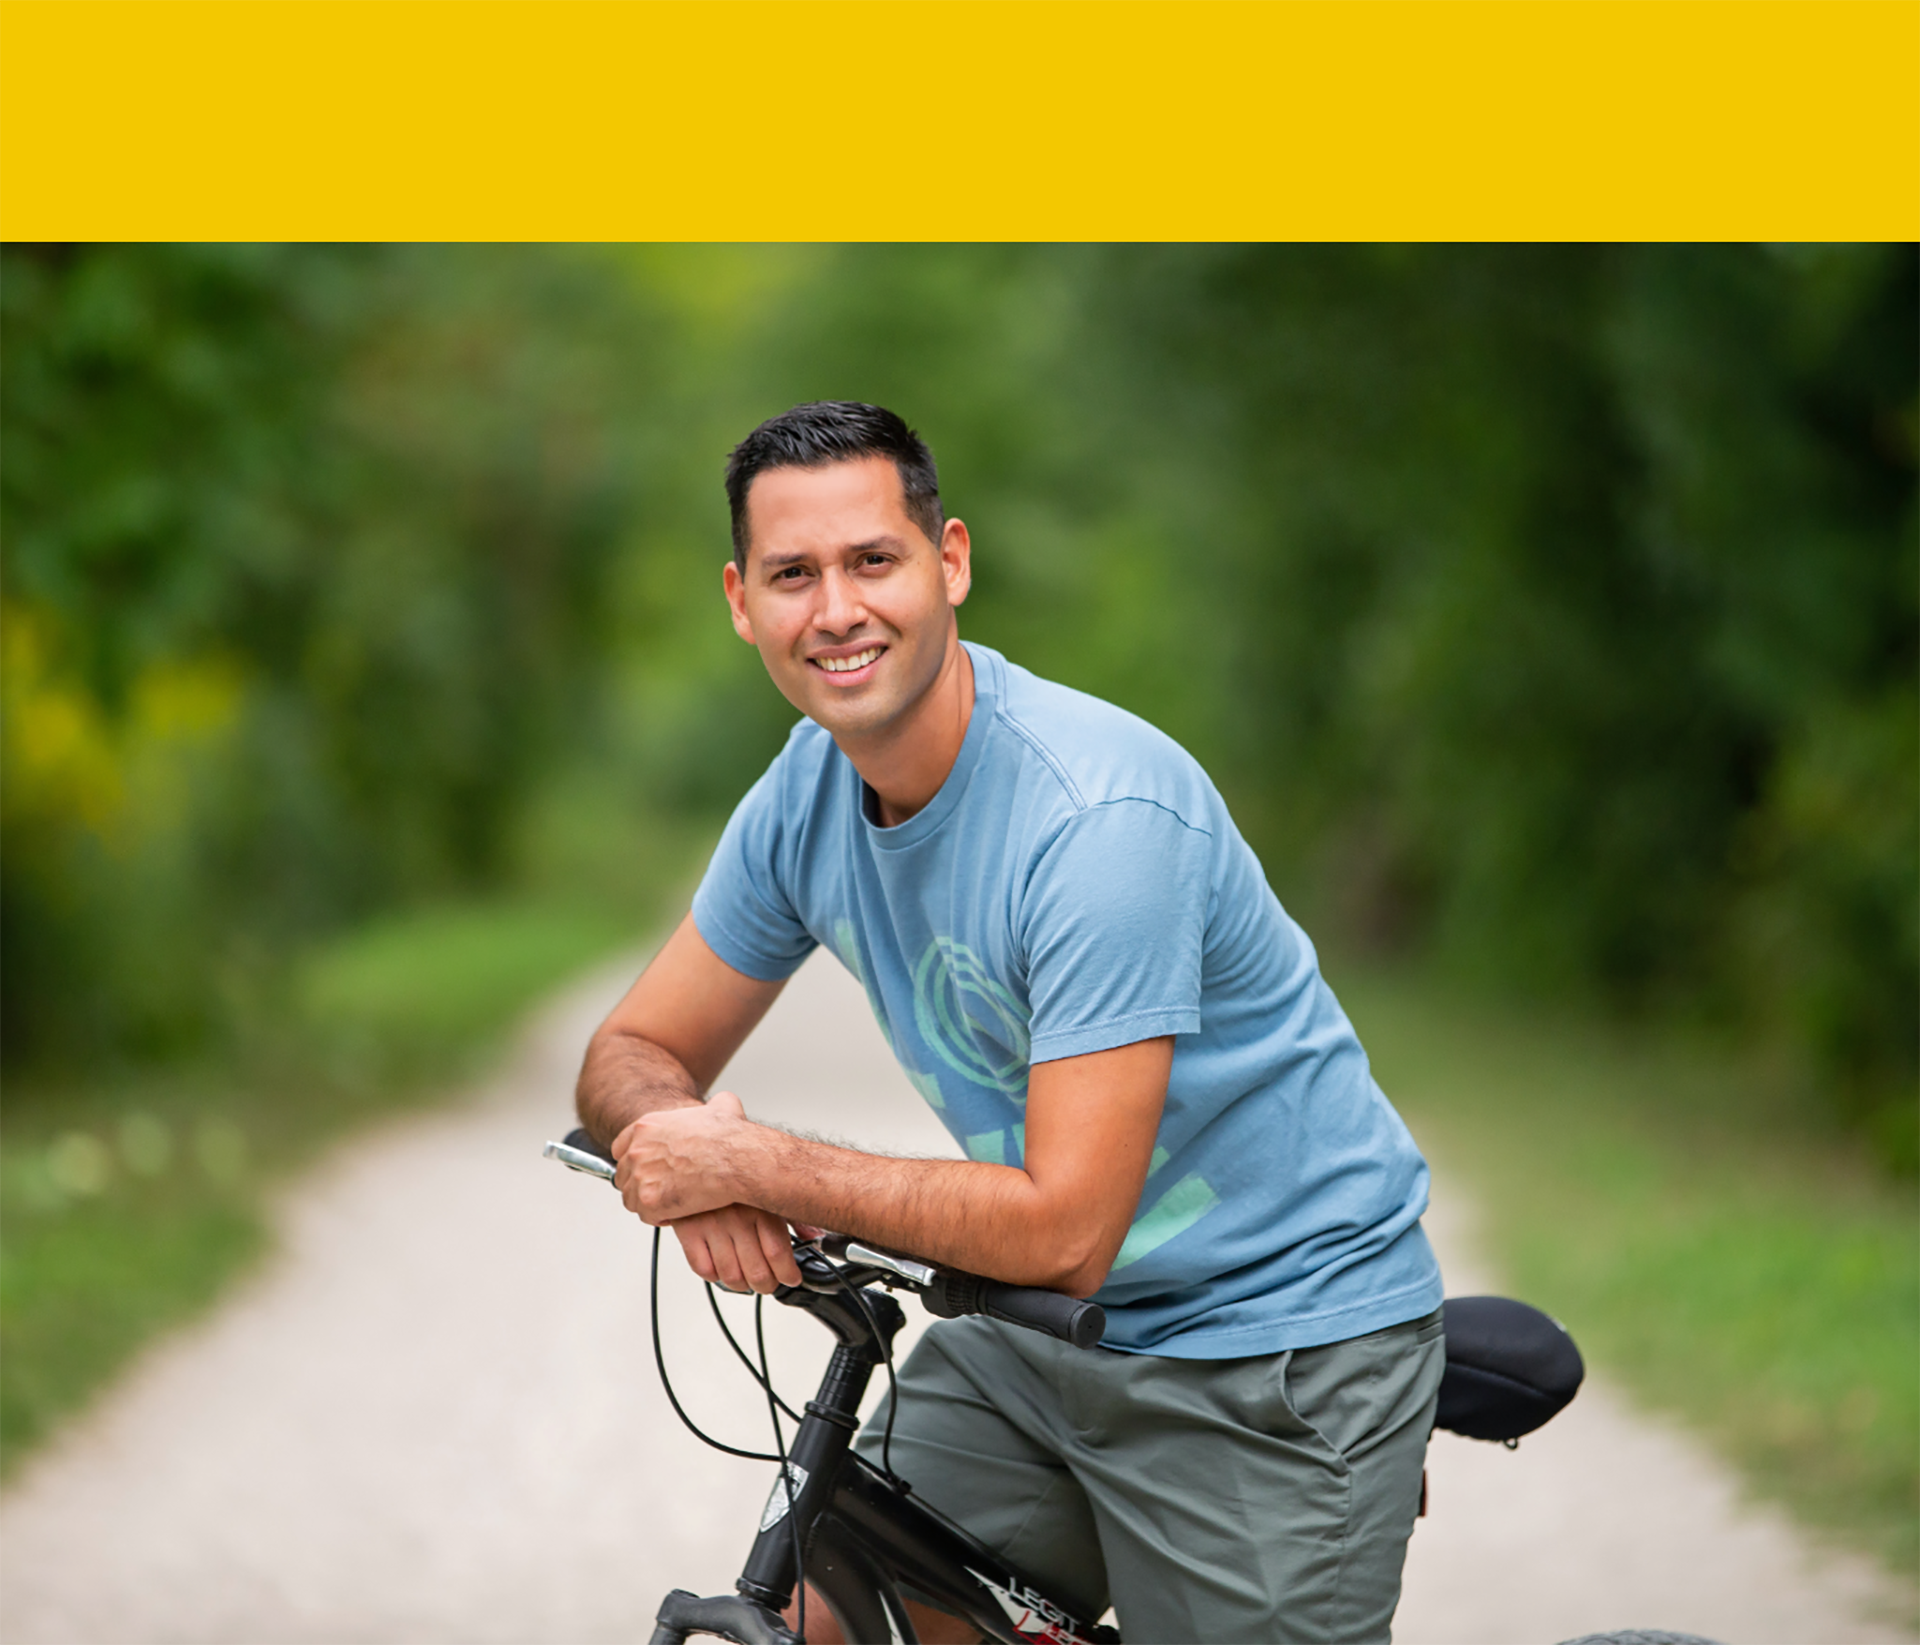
1510 1368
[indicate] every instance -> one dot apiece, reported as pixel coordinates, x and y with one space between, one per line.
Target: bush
307 555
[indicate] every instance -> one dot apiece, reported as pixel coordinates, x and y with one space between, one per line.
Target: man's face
848 603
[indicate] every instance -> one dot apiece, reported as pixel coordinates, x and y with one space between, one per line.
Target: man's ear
736 587
956 561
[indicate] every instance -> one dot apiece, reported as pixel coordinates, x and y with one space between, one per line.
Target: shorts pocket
1358 1392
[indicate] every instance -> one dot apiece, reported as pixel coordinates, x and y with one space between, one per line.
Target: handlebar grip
1052 1312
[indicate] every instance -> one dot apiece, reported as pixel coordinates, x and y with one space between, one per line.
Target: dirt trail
433 1417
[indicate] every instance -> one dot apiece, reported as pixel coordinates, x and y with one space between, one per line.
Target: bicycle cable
660 1364
713 1302
775 1404
764 1377
893 1383
785 1482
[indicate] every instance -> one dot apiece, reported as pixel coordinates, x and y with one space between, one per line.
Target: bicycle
858 1532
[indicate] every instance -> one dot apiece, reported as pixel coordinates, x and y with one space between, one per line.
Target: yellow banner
959 119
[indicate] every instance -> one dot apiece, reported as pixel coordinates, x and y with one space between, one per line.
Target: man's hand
672 1172
673 1163
738 1247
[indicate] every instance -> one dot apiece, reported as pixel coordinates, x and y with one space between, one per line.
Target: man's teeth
846 665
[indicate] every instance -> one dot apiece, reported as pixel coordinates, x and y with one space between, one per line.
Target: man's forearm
1058 1220
987 1219
625 1076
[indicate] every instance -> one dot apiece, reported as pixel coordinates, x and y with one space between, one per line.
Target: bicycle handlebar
948 1292
1071 1319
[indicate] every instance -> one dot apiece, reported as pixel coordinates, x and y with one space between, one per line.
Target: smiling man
1079 964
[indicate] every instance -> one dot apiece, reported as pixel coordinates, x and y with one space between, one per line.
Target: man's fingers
721 1263
712 1245
754 1268
778 1249
741 1228
739 1247
693 1245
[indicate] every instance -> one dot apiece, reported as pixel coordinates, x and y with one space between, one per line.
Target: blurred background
1546 614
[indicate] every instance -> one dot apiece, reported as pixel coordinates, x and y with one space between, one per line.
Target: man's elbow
1085 1280
1083 1270
1071 1245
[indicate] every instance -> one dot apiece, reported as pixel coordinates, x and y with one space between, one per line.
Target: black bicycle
860 1533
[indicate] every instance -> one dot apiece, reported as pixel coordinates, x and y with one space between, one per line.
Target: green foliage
1637 533
425 993
1709 1246
306 551
426 989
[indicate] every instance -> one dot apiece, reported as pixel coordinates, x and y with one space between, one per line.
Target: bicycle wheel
1640 1636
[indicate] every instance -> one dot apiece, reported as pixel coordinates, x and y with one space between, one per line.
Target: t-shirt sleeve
1114 920
742 908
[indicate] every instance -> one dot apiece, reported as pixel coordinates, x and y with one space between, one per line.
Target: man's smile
853 663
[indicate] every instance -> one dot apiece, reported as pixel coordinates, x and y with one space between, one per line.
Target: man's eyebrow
779 562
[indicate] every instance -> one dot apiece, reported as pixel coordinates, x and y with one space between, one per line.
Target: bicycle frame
863 1533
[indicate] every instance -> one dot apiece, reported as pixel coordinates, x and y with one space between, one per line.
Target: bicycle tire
1640 1636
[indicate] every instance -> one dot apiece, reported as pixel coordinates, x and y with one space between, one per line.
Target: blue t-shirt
1076 885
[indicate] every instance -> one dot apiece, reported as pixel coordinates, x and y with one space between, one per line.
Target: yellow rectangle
959 119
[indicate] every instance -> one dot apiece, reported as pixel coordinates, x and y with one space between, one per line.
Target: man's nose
841 608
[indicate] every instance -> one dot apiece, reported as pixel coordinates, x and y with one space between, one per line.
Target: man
1079 964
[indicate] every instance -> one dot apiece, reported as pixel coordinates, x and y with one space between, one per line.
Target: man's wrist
749 1168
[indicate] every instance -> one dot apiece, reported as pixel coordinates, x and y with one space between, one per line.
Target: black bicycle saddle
1509 1368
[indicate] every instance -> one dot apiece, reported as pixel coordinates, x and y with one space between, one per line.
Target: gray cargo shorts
1260 1499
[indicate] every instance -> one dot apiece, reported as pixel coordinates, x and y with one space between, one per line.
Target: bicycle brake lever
578 1159
914 1273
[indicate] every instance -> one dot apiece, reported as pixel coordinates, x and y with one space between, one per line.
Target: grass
1711 1240
127 1203
430 993
87 1277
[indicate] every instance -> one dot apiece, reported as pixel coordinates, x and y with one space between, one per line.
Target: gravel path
432 1417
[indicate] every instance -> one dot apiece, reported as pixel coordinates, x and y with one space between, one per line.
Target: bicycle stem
865 1336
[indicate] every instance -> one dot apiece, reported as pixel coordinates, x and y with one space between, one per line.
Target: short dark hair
834 431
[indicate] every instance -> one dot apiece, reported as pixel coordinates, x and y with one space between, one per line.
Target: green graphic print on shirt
979 1030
